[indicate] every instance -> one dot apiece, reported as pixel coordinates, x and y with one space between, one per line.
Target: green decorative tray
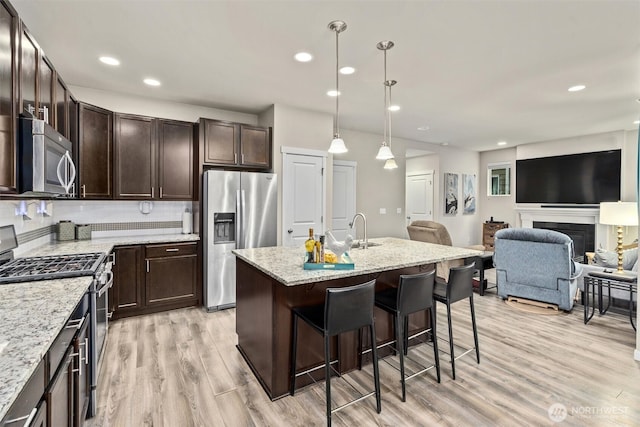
348 265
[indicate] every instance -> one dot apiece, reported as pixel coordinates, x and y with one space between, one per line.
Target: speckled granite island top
285 264
31 316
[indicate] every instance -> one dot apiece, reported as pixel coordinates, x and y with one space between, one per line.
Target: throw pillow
609 259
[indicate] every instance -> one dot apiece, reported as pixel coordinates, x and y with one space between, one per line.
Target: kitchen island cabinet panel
135 154
175 160
95 152
8 23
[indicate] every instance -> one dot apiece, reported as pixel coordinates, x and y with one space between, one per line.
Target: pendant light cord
336 132
386 104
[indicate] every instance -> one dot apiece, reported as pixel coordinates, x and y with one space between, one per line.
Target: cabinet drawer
27 399
164 250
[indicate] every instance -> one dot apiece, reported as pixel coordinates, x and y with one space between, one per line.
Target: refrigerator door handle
239 240
243 224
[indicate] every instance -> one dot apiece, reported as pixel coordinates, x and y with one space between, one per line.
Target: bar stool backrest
460 285
415 292
349 308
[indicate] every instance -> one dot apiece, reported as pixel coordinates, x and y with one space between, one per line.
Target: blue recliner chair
536 264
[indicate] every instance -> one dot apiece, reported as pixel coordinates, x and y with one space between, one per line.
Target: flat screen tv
586 178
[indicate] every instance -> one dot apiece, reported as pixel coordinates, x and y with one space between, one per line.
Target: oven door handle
102 290
110 281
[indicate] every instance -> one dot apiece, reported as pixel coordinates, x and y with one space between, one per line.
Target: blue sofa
536 264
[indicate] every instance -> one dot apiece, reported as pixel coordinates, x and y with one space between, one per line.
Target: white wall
122 103
464 229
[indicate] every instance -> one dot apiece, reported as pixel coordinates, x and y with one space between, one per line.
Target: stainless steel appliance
45 162
96 264
240 211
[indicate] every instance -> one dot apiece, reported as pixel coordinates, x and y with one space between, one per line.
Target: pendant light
390 163
337 144
384 153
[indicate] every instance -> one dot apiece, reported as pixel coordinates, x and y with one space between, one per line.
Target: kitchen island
270 281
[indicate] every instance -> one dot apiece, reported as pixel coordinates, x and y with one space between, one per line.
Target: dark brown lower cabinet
81 380
126 296
157 277
59 396
40 419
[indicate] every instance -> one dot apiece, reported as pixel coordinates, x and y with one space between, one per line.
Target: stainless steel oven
103 281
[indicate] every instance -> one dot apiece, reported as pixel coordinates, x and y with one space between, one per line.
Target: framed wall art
450 194
469 194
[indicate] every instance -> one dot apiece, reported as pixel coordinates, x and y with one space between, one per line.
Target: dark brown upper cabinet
95 152
60 108
28 73
153 158
175 160
234 144
8 97
46 85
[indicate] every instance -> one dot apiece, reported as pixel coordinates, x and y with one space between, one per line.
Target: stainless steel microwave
45 160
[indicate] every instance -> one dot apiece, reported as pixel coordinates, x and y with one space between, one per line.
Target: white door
344 198
419 197
302 196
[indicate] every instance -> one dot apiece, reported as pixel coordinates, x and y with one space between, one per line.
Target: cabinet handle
242 157
152 192
75 324
235 157
84 191
28 417
161 192
147 266
173 250
113 258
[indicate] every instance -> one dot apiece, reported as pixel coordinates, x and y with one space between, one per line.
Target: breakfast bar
270 281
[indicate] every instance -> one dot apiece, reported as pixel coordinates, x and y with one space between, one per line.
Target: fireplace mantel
570 215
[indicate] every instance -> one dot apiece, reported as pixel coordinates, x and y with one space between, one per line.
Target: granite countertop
285 264
106 244
31 316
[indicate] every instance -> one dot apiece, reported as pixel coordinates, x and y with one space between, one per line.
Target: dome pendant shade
384 153
390 164
337 146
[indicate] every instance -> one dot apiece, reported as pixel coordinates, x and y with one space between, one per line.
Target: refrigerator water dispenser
224 227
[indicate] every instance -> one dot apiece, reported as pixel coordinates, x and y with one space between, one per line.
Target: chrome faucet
364 220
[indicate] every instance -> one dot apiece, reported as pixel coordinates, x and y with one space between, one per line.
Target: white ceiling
474 72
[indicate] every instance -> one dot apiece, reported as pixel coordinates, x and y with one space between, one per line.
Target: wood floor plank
183 368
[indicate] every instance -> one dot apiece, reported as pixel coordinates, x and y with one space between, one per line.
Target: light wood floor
181 368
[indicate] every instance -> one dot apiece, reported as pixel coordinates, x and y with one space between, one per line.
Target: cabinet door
255 146
7 100
95 152
40 419
28 75
73 111
61 109
175 160
127 279
170 279
45 91
220 141
60 394
81 380
135 157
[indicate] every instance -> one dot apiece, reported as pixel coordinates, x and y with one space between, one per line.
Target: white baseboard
636 354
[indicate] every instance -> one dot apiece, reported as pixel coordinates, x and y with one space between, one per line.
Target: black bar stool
414 293
459 287
345 309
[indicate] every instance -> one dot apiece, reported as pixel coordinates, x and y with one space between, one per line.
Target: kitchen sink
356 245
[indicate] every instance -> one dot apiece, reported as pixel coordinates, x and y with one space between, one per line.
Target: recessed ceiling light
576 88
502 142
151 82
394 107
347 70
444 144
109 60
423 128
637 122
333 92
303 57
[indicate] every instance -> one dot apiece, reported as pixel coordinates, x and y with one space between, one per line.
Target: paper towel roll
187 222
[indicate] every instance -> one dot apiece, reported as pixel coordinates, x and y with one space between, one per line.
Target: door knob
290 230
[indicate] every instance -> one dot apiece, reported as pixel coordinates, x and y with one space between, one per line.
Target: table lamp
619 214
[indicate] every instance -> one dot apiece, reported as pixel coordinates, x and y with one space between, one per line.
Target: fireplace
583 235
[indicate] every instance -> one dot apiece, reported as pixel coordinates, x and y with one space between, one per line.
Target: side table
483 262
592 281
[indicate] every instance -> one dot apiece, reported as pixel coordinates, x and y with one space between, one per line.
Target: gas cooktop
50 267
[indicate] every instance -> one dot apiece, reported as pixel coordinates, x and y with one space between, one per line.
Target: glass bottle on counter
321 249
309 246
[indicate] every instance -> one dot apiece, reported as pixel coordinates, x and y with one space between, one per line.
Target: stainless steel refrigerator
240 211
